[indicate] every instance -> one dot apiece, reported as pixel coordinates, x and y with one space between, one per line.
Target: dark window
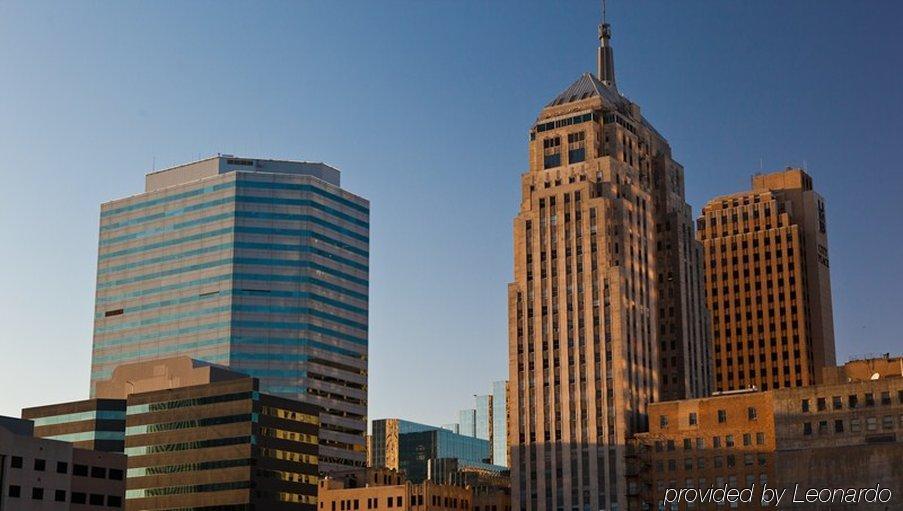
692 418
62 467
114 501
78 498
40 465
60 496
722 416
838 426
80 470
807 428
37 494
116 474
98 472
15 491
751 413
96 500
15 462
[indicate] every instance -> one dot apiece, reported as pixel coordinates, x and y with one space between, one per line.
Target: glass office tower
500 423
260 265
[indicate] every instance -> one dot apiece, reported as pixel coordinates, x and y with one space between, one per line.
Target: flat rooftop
225 163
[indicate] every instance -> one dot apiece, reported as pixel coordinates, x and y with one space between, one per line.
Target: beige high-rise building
606 311
769 288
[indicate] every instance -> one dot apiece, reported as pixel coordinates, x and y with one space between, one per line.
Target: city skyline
444 328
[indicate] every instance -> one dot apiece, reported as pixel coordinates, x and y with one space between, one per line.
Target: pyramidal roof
588 86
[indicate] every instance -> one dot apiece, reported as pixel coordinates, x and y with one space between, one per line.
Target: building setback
769 285
606 311
259 265
95 424
50 475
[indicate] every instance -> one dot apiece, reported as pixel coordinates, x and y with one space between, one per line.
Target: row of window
729 461
821 403
693 420
93 499
699 442
397 502
62 467
855 425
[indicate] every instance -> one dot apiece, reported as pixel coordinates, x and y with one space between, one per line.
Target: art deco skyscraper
260 265
606 311
766 259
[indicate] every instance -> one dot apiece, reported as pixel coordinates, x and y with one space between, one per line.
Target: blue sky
425 106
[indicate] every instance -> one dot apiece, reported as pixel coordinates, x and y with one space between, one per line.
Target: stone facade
769 288
606 311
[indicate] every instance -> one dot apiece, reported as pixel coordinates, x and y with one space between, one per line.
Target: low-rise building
387 489
51 475
844 434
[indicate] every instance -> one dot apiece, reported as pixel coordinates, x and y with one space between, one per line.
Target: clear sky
426 107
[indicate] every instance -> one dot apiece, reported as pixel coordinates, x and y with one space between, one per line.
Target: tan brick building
606 311
844 434
769 288
387 489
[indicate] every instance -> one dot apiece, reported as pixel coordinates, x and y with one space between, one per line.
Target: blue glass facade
417 451
256 264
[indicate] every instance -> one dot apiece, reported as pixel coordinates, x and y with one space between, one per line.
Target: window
838 426
80 470
822 426
59 496
760 438
576 147
40 465
729 441
855 425
869 399
96 500
747 439
114 501
688 444
805 405
551 152
15 491
751 413
887 422
37 494
98 472
852 400
78 498
820 403
390 501
15 462
807 428
885 398
871 423
398 502
115 474
837 403
722 416
692 418
663 421
716 442
62 467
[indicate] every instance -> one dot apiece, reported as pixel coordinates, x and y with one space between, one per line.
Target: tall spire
605 58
